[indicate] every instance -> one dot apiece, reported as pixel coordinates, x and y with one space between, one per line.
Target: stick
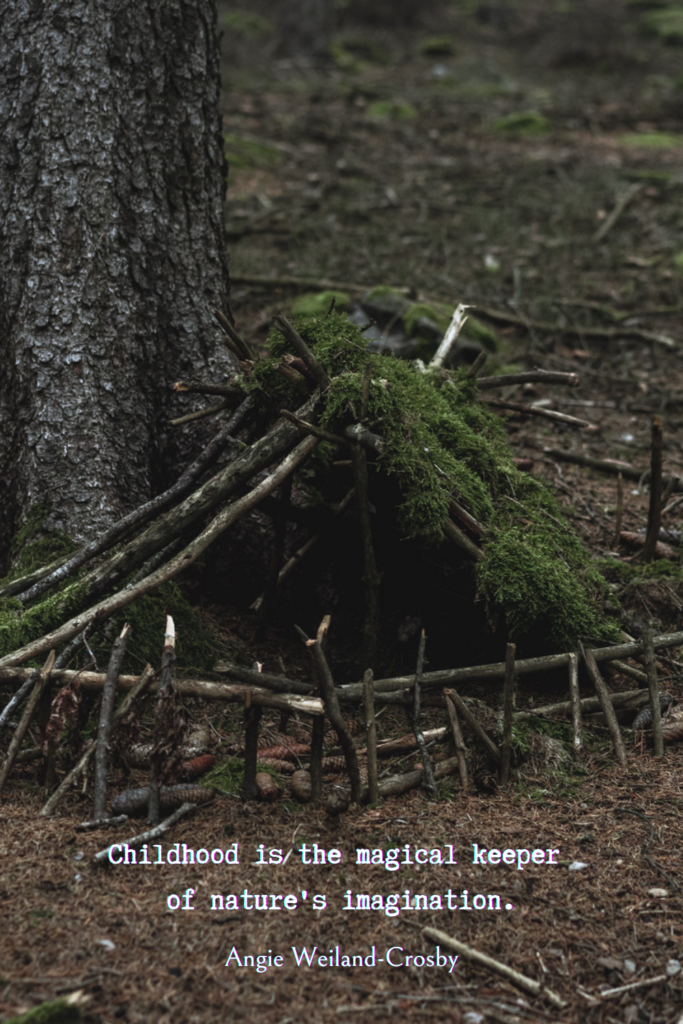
497 670
508 706
653 688
567 330
318 373
429 783
239 346
605 703
536 410
123 709
371 737
252 718
105 724
397 784
315 766
457 537
654 517
31 705
464 516
329 696
575 700
371 575
296 558
310 428
620 511
503 380
458 321
621 204
200 414
161 721
200 387
521 980
460 748
102 857
186 557
474 725
18 697
89 826
610 466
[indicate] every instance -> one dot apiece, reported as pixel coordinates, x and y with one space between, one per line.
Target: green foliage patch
440 443
522 123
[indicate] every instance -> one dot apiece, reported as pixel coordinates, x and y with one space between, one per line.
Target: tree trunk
112 248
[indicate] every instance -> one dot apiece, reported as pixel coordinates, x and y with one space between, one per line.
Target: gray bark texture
112 248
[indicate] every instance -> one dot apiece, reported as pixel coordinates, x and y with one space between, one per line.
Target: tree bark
112 248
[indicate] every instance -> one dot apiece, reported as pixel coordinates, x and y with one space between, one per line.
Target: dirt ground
389 166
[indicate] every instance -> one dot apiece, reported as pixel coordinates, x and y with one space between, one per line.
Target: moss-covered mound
439 444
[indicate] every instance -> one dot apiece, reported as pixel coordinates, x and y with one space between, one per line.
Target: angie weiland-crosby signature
394 956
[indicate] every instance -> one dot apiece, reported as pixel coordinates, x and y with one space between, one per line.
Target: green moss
391 110
439 442
56 1011
247 23
667 24
34 546
652 140
228 776
437 46
19 625
242 152
678 262
318 303
196 646
427 311
522 123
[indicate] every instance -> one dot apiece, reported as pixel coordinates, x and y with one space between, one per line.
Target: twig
371 576
200 387
521 980
653 688
620 511
458 321
621 204
568 330
610 993
503 380
654 516
428 783
297 557
523 666
102 856
508 706
319 374
575 700
609 466
476 366
82 764
537 410
89 826
105 724
371 737
185 558
605 703
252 719
461 540
191 417
474 725
143 513
39 685
329 696
162 715
310 428
236 343
460 748
315 765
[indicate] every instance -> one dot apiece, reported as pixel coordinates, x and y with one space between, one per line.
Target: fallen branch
605 703
536 410
503 380
611 466
102 857
200 414
41 682
181 561
621 204
460 748
329 696
458 321
165 723
575 702
428 782
126 704
105 724
588 705
469 953
475 726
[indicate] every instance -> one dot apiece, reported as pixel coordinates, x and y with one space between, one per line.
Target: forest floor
392 165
